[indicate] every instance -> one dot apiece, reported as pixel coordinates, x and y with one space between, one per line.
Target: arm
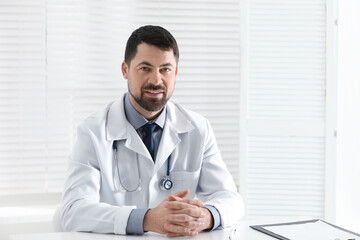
81 208
216 186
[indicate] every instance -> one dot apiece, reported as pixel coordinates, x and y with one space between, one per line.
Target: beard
151 104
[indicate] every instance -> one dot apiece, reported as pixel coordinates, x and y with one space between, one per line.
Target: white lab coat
92 200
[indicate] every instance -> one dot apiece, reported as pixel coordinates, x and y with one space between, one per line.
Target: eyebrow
150 65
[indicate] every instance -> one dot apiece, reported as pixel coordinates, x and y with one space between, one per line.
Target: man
139 163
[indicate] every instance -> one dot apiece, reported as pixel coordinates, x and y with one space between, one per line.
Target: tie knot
149 128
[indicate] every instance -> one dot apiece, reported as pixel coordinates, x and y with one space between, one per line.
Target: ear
177 69
125 69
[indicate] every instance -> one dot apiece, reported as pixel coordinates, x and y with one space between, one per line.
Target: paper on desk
318 230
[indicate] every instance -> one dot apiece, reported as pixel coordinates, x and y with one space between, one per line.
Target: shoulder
196 119
96 121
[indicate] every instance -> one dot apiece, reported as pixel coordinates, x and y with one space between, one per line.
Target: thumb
180 194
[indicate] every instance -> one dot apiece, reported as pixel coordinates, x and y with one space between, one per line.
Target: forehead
154 55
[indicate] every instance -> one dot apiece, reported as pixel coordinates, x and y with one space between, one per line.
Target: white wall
348 164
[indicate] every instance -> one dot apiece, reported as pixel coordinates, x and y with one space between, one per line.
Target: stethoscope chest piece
166 183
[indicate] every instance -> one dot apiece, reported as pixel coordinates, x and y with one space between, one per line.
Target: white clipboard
316 229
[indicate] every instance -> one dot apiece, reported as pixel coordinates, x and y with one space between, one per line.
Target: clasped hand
176 216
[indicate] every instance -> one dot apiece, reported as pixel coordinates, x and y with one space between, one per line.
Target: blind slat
65 59
285 153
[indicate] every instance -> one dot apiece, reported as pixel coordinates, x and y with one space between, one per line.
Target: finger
177 205
179 218
172 235
180 230
192 212
172 198
185 221
195 202
181 194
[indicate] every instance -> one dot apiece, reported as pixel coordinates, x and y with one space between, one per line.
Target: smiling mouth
154 92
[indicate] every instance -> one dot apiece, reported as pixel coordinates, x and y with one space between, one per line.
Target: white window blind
284 108
74 66
208 34
23 106
60 61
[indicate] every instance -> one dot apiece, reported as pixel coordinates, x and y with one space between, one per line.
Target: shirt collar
137 120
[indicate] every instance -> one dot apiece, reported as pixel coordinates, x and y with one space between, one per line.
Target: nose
155 78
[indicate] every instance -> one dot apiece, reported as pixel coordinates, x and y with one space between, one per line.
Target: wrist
147 221
209 219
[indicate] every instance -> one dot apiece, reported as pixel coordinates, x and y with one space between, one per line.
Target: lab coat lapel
119 128
176 124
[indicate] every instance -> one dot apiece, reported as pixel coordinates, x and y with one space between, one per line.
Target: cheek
132 86
133 82
170 86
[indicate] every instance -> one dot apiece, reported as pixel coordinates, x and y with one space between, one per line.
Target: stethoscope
165 183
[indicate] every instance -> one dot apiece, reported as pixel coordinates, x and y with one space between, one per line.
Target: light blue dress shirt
136 217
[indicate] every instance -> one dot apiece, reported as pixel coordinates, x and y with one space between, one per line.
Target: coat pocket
185 180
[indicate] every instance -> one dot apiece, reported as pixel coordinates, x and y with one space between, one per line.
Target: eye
166 69
145 69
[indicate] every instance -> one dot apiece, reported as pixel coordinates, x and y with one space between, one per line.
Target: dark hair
153 35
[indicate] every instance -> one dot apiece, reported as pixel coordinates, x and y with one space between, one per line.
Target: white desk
243 232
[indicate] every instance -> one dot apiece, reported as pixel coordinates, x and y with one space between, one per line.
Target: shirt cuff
135 221
216 216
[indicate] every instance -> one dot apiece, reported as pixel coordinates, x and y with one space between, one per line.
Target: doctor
144 163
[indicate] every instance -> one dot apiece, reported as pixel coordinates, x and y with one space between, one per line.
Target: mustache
153 87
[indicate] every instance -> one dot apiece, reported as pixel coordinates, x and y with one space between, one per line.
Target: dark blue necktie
148 139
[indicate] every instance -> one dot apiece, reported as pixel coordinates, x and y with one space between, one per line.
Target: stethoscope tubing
138 187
